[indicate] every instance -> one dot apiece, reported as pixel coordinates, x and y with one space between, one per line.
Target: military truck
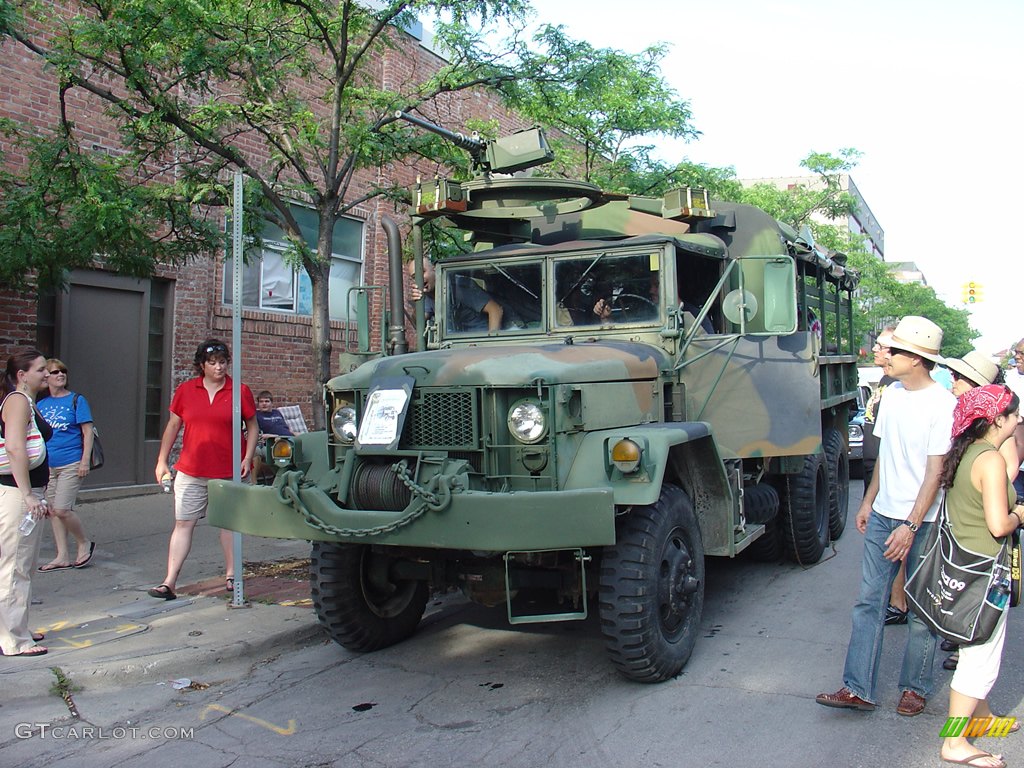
671 380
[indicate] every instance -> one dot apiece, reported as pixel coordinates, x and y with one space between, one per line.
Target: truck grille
440 420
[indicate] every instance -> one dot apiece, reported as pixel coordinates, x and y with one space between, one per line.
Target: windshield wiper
582 277
513 280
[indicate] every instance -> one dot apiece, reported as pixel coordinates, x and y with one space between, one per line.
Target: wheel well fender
682 453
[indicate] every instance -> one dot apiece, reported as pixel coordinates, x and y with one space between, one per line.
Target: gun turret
507 154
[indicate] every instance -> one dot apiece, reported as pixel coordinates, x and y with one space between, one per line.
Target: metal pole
417 258
237 257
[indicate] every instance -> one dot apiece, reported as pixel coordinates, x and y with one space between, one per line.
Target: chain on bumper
436 496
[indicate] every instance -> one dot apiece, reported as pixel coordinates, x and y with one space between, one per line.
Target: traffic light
971 293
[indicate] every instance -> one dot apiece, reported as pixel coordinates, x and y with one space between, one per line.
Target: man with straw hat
899 506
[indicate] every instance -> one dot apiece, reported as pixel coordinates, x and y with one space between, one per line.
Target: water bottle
28 523
165 481
999 592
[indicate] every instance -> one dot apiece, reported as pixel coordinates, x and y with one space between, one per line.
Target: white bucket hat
975 367
920 336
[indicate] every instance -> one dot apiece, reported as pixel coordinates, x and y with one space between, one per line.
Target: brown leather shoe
844 698
910 704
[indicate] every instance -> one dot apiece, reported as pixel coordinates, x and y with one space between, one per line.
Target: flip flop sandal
229 584
972 760
162 592
51 567
85 562
37 651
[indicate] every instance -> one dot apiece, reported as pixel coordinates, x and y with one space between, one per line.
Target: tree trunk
319 276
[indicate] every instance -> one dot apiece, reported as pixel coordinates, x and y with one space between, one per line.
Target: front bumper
476 520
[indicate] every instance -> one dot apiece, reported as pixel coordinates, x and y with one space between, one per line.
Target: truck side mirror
362 320
780 296
739 307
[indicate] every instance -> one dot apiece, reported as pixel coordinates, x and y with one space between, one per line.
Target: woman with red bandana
980 503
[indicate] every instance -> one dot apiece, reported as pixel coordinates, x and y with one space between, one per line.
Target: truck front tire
356 600
652 588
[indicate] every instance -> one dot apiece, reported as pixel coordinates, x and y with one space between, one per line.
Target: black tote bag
956 591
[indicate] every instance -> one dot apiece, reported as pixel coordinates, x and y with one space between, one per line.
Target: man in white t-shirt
899 506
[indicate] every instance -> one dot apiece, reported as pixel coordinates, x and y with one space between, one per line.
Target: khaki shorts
63 488
190 497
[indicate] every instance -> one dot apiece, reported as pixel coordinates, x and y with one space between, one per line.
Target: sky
929 91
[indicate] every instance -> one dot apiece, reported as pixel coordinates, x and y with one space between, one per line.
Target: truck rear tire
355 600
804 512
652 588
838 482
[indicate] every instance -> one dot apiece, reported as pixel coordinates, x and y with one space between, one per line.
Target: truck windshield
489 296
607 289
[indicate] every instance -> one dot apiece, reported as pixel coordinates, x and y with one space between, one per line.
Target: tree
882 299
617 103
287 91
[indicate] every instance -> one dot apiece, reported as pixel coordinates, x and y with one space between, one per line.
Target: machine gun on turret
507 154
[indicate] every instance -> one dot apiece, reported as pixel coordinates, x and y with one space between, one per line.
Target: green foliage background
303 86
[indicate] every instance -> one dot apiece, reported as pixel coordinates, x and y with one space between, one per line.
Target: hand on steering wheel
630 303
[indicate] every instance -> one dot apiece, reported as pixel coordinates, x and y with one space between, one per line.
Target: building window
270 283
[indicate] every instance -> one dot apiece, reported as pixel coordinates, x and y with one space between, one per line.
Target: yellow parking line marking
290 730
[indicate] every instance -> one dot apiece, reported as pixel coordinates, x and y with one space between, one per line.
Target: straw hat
975 367
920 336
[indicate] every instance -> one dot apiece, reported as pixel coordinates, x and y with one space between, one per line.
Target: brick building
128 343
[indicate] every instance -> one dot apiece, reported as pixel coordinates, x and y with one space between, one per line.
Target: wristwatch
911 525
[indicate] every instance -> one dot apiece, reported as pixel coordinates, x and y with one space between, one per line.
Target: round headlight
343 422
526 422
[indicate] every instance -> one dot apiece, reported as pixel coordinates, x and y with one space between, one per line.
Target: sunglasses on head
213 348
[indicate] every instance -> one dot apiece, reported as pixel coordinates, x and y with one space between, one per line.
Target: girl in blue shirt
68 453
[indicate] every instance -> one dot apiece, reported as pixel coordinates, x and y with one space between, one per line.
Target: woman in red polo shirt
203 406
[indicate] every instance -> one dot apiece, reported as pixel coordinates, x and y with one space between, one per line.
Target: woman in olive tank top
980 503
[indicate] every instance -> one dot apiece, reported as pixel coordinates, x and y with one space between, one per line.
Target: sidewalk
104 631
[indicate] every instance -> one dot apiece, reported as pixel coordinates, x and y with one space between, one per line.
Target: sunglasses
215 348
961 377
55 371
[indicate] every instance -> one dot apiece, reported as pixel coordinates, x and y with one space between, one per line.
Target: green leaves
607 103
73 208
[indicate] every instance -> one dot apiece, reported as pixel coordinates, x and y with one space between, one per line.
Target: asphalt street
265 688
